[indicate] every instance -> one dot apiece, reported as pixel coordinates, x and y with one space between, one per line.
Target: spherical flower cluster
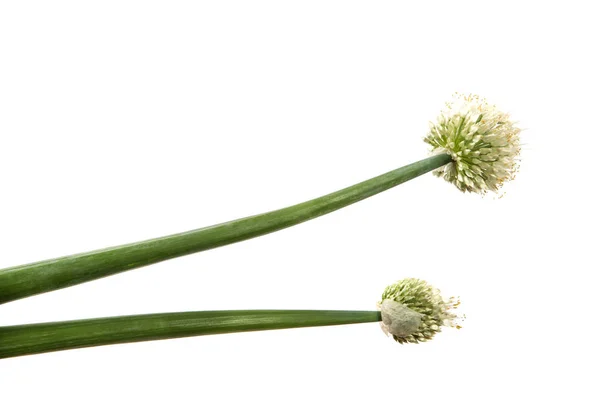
483 143
413 311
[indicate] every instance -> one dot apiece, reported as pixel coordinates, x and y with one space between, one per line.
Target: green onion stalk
411 310
44 276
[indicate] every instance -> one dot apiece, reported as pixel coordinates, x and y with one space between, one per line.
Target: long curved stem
20 340
44 276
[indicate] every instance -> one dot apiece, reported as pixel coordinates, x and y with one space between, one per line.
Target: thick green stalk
22 340
44 276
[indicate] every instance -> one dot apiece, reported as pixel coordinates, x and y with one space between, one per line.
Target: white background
127 120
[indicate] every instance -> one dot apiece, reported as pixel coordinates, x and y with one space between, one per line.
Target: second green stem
20 340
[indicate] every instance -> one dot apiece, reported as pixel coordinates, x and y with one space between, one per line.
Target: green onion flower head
483 142
413 311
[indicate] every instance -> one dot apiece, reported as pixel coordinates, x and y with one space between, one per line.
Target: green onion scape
406 301
475 147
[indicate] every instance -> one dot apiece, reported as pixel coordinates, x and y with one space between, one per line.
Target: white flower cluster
413 311
482 141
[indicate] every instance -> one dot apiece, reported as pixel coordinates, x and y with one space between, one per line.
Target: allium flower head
413 311
483 143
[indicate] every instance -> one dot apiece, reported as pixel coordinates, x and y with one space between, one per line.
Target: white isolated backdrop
126 120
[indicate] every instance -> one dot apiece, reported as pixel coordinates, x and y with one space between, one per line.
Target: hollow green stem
20 340
44 276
